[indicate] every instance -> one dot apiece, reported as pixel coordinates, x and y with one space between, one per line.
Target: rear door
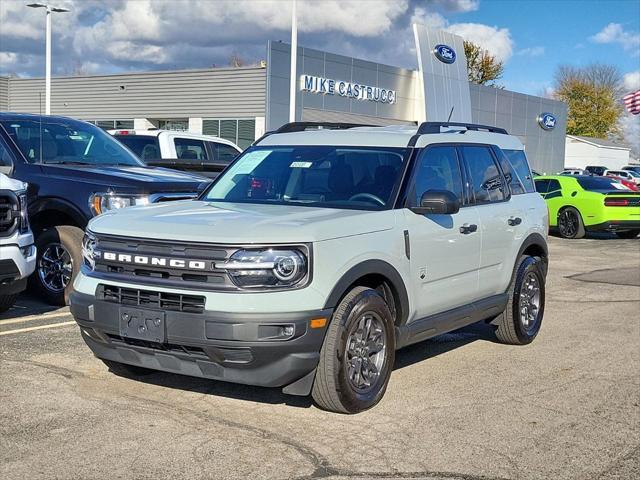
444 259
500 218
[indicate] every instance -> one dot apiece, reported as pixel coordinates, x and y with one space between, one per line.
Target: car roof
388 136
155 132
33 116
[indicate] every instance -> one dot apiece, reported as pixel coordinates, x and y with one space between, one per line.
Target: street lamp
47 82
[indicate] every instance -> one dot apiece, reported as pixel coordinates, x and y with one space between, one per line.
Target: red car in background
627 183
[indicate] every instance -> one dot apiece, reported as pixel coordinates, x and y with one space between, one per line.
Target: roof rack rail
434 127
302 126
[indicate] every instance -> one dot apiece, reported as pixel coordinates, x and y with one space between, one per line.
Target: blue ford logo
445 53
547 121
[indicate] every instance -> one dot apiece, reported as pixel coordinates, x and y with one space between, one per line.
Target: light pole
294 57
47 81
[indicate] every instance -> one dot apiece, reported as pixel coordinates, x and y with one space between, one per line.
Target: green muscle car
580 203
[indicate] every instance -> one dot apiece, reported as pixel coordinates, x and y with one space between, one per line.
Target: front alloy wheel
357 355
58 262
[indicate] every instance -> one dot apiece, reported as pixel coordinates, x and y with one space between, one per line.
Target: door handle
467 229
513 221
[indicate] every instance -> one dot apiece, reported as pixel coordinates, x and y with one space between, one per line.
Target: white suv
17 252
316 255
204 154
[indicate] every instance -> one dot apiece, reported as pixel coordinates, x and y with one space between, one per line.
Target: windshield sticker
251 161
300 164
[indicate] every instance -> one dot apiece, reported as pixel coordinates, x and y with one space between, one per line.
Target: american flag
632 102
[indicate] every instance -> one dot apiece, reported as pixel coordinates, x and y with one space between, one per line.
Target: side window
486 180
225 153
190 149
555 189
542 186
6 158
520 166
436 169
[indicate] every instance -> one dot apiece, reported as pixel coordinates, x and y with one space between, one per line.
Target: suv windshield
66 141
320 176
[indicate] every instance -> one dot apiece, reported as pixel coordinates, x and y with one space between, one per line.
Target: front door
444 249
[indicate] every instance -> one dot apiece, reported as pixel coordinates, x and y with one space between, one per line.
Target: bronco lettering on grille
154 261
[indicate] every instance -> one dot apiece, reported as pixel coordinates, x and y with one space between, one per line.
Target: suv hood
217 222
128 179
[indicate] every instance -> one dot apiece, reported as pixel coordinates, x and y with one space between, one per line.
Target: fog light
287 331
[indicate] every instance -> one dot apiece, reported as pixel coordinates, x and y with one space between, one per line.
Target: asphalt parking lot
460 406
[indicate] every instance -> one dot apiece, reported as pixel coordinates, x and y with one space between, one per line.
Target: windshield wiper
67 162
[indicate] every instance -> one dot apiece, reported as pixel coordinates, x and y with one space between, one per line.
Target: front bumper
17 262
232 347
614 226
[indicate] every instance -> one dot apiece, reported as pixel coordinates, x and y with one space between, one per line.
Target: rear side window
190 149
437 169
225 153
486 180
520 167
542 186
144 146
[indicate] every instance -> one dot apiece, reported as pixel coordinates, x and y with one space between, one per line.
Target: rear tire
570 224
125 370
628 234
7 301
520 323
58 263
357 355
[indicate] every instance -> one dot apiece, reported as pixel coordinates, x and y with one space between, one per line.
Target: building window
242 132
176 124
111 124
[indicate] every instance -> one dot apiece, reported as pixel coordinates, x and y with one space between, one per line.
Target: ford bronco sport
317 254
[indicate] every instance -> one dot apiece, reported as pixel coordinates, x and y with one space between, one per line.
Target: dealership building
240 104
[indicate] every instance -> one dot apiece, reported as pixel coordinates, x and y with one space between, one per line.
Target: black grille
9 213
148 299
208 277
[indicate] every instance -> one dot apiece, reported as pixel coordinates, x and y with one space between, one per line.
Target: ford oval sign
547 121
445 53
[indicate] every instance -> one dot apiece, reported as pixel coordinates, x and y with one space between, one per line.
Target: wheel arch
52 212
379 275
536 246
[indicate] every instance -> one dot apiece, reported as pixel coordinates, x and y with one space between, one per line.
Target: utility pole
294 58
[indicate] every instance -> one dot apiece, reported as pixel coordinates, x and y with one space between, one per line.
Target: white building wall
580 154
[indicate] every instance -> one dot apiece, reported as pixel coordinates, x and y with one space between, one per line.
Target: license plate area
142 324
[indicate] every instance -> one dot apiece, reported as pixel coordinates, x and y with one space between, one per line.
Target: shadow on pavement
28 305
404 358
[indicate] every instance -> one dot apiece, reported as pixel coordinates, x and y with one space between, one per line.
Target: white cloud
496 40
615 33
531 51
631 81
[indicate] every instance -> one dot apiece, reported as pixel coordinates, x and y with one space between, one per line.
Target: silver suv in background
318 253
17 251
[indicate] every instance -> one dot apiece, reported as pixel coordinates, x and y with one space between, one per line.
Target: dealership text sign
329 86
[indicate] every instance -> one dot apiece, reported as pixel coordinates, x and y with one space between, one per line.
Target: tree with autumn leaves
592 94
482 67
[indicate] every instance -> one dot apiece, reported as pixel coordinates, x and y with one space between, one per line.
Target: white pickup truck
205 154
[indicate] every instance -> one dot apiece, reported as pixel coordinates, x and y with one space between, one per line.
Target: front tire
58 263
570 224
520 323
628 234
357 355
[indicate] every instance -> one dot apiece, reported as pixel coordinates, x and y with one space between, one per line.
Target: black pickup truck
75 171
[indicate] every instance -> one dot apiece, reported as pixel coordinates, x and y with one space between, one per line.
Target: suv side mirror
441 202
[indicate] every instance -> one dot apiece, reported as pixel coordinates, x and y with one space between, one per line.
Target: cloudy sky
531 37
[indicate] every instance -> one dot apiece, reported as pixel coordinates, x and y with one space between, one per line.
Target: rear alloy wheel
520 322
58 263
628 234
357 355
570 223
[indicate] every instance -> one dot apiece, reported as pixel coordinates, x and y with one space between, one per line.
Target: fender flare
539 241
375 267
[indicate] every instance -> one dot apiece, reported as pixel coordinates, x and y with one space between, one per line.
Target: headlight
89 250
267 268
24 216
103 202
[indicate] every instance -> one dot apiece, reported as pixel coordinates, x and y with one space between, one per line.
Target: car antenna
450 114
40 117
